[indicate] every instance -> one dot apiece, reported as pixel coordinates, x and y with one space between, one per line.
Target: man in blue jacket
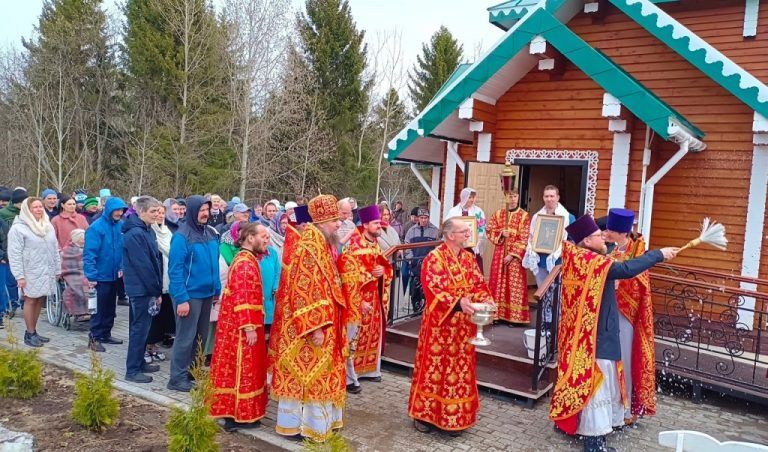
193 271
143 279
103 265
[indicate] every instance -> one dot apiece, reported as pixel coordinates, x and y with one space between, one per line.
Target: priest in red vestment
292 236
444 388
589 398
310 346
633 297
238 366
508 229
366 276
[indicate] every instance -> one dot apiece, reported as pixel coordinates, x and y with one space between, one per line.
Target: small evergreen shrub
335 443
193 430
95 406
21 372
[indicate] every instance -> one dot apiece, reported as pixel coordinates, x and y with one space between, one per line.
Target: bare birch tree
257 36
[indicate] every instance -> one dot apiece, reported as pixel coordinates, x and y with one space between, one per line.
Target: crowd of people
291 301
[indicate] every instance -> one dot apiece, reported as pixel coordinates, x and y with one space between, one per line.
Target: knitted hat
5 194
48 192
620 220
323 208
369 213
18 196
90 202
582 228
76 235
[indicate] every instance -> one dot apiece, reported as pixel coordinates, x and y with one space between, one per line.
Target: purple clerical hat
369 213
581 228
620 220
302 214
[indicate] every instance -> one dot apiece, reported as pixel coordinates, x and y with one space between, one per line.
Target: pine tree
334 50
433 67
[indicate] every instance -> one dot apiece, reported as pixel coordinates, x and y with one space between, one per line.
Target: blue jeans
137 334
106 305
9 286
3 292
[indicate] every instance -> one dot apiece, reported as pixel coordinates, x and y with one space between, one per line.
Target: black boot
31 340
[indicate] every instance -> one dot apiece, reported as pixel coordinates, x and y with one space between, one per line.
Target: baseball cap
240 208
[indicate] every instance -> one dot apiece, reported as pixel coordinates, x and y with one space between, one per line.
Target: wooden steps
503 366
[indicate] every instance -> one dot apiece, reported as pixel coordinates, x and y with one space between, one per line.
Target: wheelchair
54 308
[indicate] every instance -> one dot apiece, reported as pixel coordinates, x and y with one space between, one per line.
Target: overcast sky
416 20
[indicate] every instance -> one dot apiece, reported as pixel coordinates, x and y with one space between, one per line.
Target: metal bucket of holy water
482 316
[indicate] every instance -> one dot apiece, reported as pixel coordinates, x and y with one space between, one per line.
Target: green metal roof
454 75
540 21
698 52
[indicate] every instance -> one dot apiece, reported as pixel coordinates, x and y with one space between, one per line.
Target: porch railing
711 330
547 317
406 299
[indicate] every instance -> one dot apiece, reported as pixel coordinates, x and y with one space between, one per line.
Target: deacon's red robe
310 298
444 387
238 370
584 273
509 282
360 286
633 297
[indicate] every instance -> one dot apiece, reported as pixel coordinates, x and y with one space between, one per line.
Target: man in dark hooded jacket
103 266
143 279
193 271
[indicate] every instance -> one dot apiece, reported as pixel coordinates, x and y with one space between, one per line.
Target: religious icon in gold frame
471 223
548 233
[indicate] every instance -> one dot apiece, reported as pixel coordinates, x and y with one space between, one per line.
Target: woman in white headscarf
33 256
163 324
467 208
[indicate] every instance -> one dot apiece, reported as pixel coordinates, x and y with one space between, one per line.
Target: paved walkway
376 419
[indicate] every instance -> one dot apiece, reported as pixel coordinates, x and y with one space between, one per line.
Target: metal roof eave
638 99
702 55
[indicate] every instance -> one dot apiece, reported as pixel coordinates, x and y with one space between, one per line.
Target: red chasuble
584 273
311 299
509 282
292 236
634 299
444 387
238 370
360 286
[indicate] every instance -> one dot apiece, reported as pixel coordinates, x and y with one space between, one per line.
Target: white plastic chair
687 440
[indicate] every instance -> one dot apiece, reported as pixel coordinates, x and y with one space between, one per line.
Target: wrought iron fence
547 317
406 300
709 329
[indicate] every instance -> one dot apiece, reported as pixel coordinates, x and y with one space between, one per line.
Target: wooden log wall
565 113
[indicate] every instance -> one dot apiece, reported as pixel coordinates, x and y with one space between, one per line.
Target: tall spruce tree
335 52
174 51
436 63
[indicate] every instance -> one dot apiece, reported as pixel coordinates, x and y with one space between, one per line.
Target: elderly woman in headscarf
467 207
163 325
75 296
172 212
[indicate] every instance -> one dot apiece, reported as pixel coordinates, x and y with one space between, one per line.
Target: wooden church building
658 106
